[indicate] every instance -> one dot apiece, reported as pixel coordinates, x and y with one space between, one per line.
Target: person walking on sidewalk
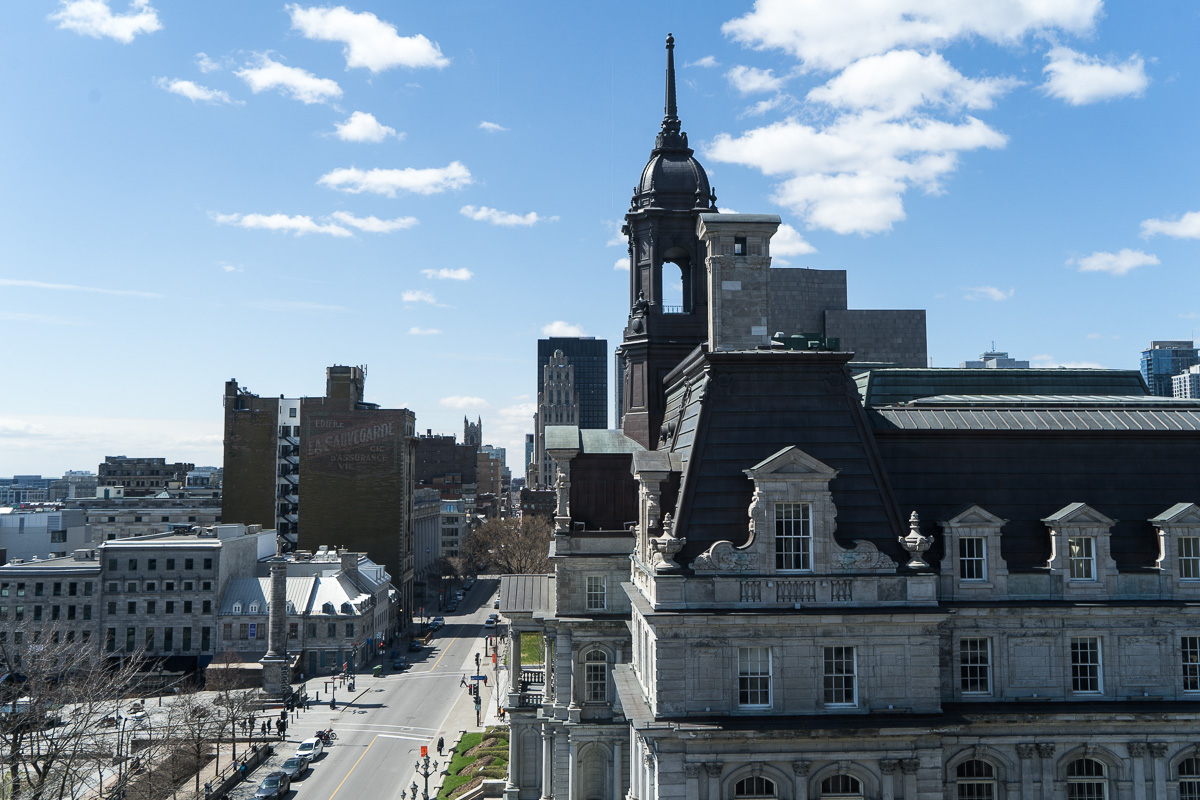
441 744
462 681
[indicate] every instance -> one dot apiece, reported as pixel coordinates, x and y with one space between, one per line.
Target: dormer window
254 608
237 608
793 537
1189 558
327 608
972 558
1081 558
347 608
739 245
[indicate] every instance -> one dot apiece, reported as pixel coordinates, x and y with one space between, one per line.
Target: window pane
839 676
1190 650
974 664
793 536
972 558
754 676
1082 556
1189 558
1086 665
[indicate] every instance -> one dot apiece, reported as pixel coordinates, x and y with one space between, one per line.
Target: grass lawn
532 651
460 761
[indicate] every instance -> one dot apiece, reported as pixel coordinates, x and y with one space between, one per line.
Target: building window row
56 612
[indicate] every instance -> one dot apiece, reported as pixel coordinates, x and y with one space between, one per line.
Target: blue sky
194 192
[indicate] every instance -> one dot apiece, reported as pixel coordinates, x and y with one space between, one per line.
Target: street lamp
158 668
424 770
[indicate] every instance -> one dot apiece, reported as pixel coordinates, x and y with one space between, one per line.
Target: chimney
349 564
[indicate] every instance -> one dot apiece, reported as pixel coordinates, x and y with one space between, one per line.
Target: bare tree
193 725
233 702
54 695
510 546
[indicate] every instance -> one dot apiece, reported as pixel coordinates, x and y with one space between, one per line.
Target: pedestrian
462 681
441 744
263 728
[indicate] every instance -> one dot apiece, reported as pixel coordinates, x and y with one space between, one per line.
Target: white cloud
707 61
622 264
291 81
295 305
495 216
369 41
298 225
830 36
16 427
374 224
901 81
1050 362
770 104
492 127
389 181
1079 79
987 293
417 296
206 64
787 241
462 402
68 287
415 331
363 127
1120 263
751 80
94 18
444 274
1186 227
192 91
225 267
617 238
850 176
560 328
1095 336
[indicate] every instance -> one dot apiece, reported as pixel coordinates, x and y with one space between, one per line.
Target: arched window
755 787
254 608
975 780
595 677
846 786
1189 779
1086 780
237 608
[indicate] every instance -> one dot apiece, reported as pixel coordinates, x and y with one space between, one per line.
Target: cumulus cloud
369 42
94 18
830 36
298 225
1186 227
417 296
986 293
16 427
294 82
69 287
751 80
462 402
622 264
787 241
560 328
492 127
415 331
445 274
706 61
1120 263
363 127
389 181
495 216
206 64
374 224
1079 79
616 237
192 91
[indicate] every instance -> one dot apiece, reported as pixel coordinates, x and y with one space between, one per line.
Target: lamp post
424 769
158 668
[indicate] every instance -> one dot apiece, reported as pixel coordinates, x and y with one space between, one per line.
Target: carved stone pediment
974 517
865 557
1185 515
1079 515
724 557
793 463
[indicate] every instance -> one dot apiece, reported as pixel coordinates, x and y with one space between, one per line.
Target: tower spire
670 137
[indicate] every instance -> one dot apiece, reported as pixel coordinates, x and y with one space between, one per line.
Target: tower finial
670 136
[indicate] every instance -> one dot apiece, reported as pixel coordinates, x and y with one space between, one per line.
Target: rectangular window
1189 558
188 564
54 612
1081 553
975 666
170 564
253 630
58 537
151 564
110 640
208 563
170 606
72 589
595 678
39 589
112 607
349 630
131 587
37 613
1191 663
70 612
149 640
841 684
169 586
87 588
131 607
1086 665
133 565
87 612
188 586
206 586
293 630
187 606
150 607
112 565
332 630
187 639
312 630
18 612
168 639
130 639
150 586
227 631
3 590
972 558
292 412
597 595
206 607
20 590
57 590
166 519
205 639
754 677
793 536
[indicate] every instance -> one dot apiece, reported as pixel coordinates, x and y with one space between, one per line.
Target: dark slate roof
888 387
990 417
729 411
525 594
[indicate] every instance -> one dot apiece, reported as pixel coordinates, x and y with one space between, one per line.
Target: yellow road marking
443 655
356 763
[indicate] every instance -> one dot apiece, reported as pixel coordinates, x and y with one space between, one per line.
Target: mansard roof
889 387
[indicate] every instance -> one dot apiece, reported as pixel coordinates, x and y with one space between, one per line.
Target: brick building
141 477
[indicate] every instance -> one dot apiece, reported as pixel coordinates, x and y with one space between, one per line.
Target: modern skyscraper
589 357
1162 361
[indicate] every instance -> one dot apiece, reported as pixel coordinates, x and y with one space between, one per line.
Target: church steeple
670 137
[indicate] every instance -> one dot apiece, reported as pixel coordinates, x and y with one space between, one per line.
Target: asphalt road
381 731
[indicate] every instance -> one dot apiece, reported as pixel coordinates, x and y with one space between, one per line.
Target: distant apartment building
73 484
489 475
994 359
537 503
141 477
59 595
357 464
204 478
1187 384
427 504
123 517
1162 361
48 531
589 357
453 524
21 489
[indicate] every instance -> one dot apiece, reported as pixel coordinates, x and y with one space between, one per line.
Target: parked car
496 602
295 767
452 606
415 645
310 749
468 583
274 786
400 663
491 621
437 622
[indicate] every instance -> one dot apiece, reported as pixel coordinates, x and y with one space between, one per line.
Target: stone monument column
275 663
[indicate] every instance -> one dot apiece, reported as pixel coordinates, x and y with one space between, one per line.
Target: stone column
548 642
1025 753
800 779
651 789
692 773
713 768
1158 751
274 663
633 760
563 669
514 759
616 770
514 669
887 768
1137 757
910 766
1046 752
547 761
572 769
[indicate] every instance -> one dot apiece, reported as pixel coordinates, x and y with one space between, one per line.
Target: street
381 731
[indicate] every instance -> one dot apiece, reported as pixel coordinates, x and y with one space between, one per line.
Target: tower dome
673 179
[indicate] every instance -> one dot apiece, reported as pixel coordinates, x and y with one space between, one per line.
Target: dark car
452 606
437 622
274 786
400 663
295 767
415 645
